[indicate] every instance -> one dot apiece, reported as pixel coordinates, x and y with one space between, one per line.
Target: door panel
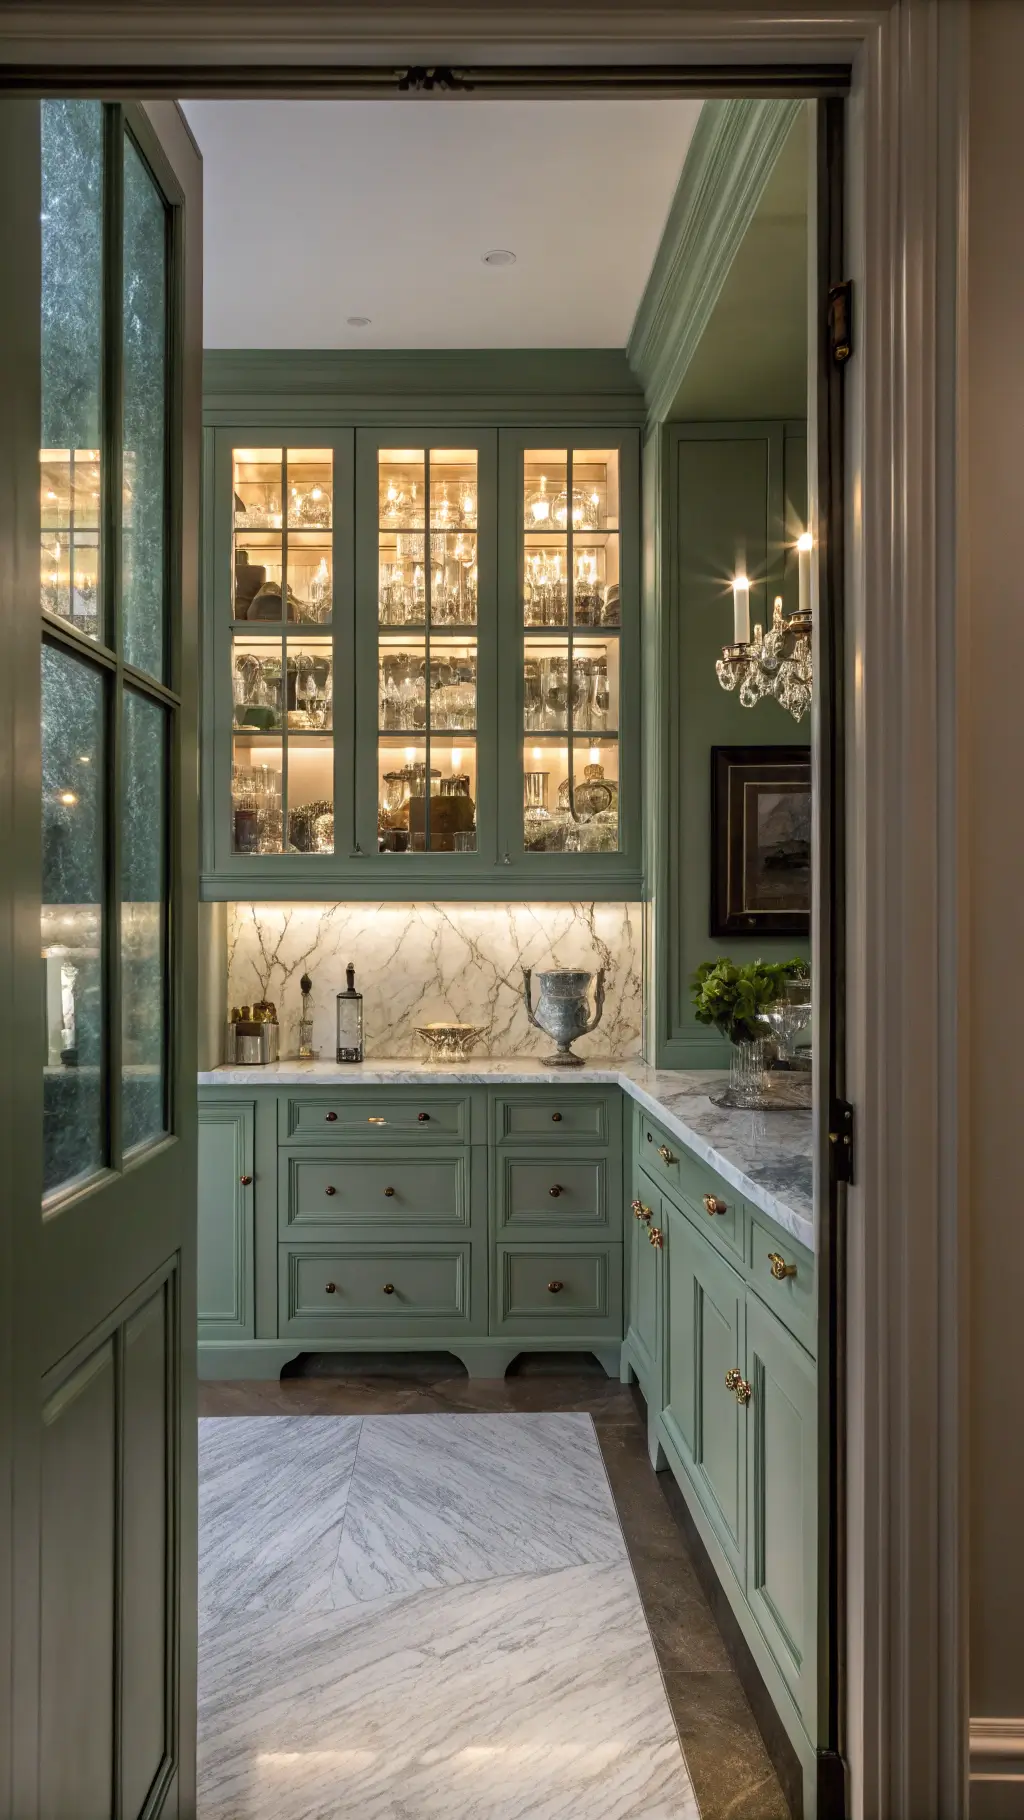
146 1618
226 1263
645 1290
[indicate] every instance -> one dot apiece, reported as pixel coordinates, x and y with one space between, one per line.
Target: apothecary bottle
350 1020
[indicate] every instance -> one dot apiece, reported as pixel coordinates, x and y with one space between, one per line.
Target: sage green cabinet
646 1329
225 1259
413 686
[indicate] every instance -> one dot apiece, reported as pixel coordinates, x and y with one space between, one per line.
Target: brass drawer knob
375 1119
665 1154
330 1190
737 1383
424 1118
641 1212
246 1181
656 1236
554 1191
389 1192
332 1118
712 1204
331 1288
780 1269
389 1289
556 1118
553 1288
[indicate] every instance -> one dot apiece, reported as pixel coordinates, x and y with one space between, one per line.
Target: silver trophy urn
563 1010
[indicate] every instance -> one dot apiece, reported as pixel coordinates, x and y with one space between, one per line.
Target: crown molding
732 154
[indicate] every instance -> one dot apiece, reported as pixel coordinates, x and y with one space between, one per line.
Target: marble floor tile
438 1500
536 1697
272 1495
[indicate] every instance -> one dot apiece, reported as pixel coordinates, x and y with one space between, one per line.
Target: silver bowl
450 1042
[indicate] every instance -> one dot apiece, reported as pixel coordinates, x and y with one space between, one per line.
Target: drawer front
790 1296
718 1206
342 1189
551 1117
554 1289
385 1287
367 1116
549 1194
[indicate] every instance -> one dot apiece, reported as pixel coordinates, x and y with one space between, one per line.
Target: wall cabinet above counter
421 662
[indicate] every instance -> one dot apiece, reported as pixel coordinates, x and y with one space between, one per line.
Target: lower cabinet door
225 1237
566 1291
646 1234
405 1291
782 1567
705 1414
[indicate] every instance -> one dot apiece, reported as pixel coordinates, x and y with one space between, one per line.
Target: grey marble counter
766 1155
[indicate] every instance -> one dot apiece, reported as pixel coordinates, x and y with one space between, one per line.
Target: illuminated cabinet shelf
421 669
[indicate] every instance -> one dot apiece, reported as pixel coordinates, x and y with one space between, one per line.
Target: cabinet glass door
282 653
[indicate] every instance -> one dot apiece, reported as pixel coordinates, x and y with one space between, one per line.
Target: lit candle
741 610
804 546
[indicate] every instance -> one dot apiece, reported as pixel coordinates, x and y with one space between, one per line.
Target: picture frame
760 840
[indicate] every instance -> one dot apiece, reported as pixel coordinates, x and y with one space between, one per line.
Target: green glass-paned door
144 453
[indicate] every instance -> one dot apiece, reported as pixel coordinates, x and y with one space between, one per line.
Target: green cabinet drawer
717 1205
782 1480
379 1115
552 1117
782 1272
646 1237
549 1194
361 1289
564 1290
342 1189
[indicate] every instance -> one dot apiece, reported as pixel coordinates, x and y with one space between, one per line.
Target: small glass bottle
350 1019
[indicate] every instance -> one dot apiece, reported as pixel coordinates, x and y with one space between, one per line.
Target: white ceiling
319 210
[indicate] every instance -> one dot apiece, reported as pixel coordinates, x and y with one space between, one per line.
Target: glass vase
748 1066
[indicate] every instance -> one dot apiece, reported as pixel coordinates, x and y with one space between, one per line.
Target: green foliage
734 998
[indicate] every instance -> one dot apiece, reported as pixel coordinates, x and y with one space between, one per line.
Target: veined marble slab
767 1156
518 1696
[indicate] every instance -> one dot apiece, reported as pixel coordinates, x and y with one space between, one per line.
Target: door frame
906 1335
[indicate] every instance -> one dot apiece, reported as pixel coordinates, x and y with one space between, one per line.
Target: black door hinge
840 1140
840 321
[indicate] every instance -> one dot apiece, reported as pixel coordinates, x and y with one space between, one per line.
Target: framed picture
760 840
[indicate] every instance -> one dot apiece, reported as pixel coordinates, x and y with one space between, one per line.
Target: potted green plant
734 1000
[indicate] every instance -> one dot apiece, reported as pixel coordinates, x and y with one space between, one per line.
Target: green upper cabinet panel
422 655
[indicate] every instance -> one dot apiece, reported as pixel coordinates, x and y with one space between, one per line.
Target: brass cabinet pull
556 1118
555 1287
375 1119
389 1192
330 1190
665 1154
713 1205
640 1211
389 1289
554 1191
246 1181
780 1269
331 1288
332 1118
737 1383
424 1118
656 1236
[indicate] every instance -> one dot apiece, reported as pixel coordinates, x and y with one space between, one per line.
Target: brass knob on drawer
712 1204
330 1190
640 1211
554 1288
330 1288
246 1181
656 1236
737 1383
389 1192
554 1191
424 1118
780 1269
389 1289
375 1119
556 1118
332 1118
665 1154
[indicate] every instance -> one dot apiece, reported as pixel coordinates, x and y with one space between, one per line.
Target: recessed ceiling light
358 322
499 255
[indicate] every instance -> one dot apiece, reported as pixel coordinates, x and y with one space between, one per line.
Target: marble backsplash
423 962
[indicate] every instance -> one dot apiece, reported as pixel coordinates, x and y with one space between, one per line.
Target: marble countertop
766 1155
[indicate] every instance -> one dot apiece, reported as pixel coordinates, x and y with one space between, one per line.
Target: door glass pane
72 291
310 794
73 766
143 917
144 476
257 808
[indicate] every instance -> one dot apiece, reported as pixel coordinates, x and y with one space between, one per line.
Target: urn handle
527 977
598 1004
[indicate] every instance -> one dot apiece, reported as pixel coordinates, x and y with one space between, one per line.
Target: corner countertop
766 1155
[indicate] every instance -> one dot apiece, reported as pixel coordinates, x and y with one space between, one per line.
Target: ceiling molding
731 156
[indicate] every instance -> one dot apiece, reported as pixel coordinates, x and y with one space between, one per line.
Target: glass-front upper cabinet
426 622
